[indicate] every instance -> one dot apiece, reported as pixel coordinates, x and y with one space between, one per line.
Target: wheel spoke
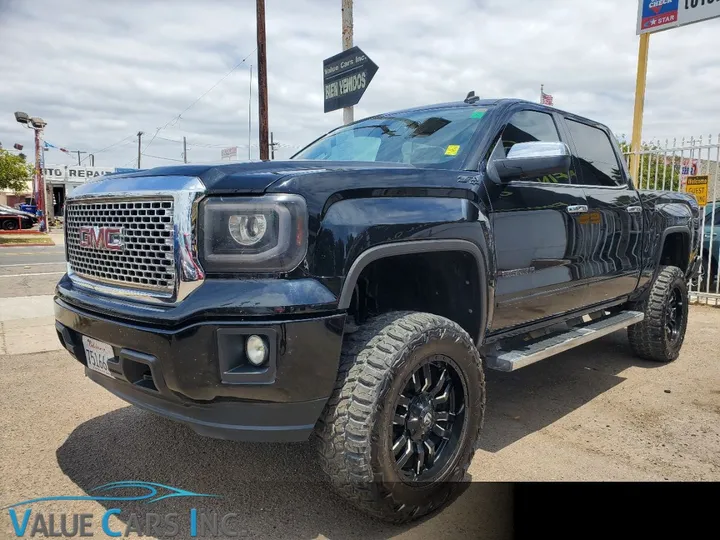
441 382
402 460
427 374
442 416
420 465
416 383
442 398
441 431
399 419
399 444
430 452
403 401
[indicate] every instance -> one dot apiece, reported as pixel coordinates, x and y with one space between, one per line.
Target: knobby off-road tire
405 378
660 335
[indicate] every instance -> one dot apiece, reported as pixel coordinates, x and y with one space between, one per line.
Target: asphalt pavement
31 254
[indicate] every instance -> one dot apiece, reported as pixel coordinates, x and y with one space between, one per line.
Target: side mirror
530 160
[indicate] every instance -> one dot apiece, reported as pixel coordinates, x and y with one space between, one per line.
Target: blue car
711 245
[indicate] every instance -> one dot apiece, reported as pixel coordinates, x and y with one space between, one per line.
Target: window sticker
452 150
477 114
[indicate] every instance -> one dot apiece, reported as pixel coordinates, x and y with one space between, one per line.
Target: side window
529 126
596 157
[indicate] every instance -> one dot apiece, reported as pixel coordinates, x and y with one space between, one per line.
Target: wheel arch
424 247
675 247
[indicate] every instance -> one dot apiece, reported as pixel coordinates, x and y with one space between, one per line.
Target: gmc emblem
101 238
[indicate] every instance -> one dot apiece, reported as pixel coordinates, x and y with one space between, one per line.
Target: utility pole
78 152
273 144
139 136
185 149
347 42
40 202
262 80
92 160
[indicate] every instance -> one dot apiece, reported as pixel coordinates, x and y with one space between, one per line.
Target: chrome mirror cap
536 149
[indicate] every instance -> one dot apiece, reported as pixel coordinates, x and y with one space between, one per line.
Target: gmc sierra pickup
354 294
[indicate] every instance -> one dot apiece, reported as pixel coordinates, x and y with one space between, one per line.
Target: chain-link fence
683 166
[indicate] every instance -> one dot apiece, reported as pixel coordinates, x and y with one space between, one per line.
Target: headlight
253 234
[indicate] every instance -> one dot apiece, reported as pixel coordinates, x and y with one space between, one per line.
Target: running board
518 358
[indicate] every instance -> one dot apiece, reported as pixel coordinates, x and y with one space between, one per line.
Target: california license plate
97 355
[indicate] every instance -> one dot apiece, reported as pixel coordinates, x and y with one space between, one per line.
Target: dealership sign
346 76
658 15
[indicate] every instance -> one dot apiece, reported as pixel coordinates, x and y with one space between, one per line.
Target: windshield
428 138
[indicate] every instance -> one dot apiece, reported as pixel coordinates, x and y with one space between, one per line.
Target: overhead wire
174 119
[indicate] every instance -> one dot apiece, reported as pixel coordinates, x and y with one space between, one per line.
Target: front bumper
194 373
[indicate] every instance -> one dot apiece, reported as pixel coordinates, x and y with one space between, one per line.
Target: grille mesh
146 260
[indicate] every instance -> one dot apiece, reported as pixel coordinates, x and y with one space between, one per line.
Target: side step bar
518 358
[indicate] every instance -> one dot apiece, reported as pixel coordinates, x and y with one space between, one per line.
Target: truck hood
255 177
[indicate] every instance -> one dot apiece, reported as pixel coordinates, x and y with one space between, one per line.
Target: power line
176 118
162 157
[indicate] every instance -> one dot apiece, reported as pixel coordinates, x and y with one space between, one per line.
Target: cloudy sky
99 71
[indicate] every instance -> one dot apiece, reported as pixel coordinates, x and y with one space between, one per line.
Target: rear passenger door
614 220
537 237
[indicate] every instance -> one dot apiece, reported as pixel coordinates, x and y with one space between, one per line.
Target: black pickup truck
354 294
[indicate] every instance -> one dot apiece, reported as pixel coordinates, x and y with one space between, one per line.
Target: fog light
256 350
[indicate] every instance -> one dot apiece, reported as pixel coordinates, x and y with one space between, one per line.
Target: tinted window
529 126
596 158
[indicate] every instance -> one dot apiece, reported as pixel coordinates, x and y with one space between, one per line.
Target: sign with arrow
346 76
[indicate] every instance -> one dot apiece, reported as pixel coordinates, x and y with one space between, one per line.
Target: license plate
97 355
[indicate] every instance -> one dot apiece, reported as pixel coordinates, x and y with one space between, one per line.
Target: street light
37 124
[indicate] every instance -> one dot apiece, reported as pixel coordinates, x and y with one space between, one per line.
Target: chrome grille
146 260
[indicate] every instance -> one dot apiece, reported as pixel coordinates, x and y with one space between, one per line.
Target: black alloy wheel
428 420
674 315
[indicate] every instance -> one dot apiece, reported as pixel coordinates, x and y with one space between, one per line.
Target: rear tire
399 432
660 335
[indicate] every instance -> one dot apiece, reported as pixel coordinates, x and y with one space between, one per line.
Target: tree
655 164
15 172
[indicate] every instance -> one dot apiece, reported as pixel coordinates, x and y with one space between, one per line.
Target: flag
547 99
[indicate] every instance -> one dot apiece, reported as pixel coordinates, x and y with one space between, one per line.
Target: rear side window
596 157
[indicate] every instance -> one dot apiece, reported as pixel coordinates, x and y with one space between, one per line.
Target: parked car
12 219
354 294
711 246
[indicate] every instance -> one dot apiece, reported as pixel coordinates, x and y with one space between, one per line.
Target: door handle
577 208
634 209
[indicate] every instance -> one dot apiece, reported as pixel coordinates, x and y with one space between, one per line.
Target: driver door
539 230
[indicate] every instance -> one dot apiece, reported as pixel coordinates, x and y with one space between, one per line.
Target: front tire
10 225
660 335
400 429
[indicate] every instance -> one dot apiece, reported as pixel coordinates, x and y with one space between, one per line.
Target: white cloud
100 71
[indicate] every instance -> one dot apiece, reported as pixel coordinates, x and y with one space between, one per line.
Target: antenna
471 97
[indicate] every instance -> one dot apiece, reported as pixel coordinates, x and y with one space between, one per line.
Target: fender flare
415 247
